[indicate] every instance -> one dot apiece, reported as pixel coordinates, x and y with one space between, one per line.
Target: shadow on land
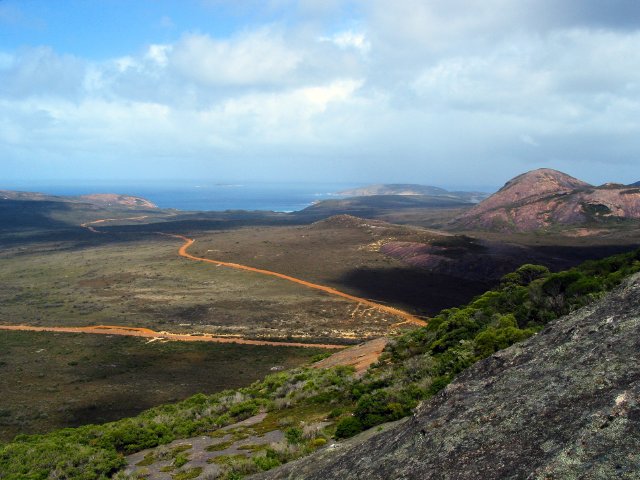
417 290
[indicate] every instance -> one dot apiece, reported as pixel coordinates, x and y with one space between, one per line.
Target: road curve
88 226
407 317
147 333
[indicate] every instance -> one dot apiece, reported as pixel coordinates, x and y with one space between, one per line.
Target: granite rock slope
545 198
563 404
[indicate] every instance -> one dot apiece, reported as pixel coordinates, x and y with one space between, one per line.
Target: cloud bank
443 92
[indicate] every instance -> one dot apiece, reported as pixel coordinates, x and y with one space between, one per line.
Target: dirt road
407 317
147 333
88 225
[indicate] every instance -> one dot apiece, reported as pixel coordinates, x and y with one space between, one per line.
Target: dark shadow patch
422 292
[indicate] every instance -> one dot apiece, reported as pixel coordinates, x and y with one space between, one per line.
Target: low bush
348 427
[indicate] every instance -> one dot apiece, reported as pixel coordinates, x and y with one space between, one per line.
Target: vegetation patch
148 459
216 447
226 459
415 366
187 474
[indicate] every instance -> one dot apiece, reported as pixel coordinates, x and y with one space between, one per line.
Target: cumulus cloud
255 58
432 91
40 71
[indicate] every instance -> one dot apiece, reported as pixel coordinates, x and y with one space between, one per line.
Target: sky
439 92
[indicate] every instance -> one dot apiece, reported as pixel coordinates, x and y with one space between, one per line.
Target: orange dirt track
88 226
147 333
408 318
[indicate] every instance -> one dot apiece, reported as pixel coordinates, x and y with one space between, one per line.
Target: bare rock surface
564 404
158 463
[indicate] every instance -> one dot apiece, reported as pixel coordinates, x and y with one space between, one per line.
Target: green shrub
268 461
318 442
180 460
188 474
348 427
293 435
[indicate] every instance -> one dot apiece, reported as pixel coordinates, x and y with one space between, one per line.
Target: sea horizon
206 196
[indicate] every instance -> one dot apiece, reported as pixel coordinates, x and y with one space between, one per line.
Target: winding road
182 251
407 317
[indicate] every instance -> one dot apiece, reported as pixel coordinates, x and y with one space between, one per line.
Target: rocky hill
546 198
412 189
563 404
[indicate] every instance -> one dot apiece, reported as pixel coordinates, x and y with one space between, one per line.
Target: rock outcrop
545 198
563 404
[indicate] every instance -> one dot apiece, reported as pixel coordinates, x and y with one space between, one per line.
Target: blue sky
453 92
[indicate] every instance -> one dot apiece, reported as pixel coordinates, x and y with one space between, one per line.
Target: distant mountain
546 198
412 189
99 199
637 184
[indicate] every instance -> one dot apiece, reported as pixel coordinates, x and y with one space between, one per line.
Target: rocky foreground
563 404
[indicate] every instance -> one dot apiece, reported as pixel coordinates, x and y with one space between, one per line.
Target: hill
548 199
113 200
378 205
563 404
637 184
412 189
39 211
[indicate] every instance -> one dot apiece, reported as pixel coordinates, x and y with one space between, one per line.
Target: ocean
278 197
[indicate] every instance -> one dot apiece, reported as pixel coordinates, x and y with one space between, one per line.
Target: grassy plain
144 283
80 278
53 380
343 252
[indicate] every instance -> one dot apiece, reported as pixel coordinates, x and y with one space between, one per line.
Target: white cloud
125 63
349 39
41 71
260 57
159 54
